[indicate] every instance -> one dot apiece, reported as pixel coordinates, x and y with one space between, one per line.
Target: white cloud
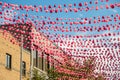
113 10
80 15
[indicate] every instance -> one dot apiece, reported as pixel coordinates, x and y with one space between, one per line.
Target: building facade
10 59
45 53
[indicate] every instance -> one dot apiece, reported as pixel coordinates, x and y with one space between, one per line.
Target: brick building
10 59
10 52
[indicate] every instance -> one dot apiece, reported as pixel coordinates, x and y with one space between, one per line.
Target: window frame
36 58
8 63
23 68
43 61
48 62
36 64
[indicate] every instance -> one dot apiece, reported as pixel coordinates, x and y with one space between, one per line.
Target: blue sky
83 14
52 2
79 14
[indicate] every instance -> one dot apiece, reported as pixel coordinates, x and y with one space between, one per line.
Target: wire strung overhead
101 41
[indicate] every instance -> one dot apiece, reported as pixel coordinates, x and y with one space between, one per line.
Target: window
8 61
42 61
48 64
53 65
35 56
23 68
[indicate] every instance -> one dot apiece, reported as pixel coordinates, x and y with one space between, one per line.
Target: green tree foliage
53 74
37 75
86 71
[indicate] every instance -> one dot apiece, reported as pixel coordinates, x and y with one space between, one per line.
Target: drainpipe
21 57
31 62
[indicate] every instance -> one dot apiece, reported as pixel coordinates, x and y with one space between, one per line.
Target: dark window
35 53
48 64
42 61
23 68
53 65
36 58
8 61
